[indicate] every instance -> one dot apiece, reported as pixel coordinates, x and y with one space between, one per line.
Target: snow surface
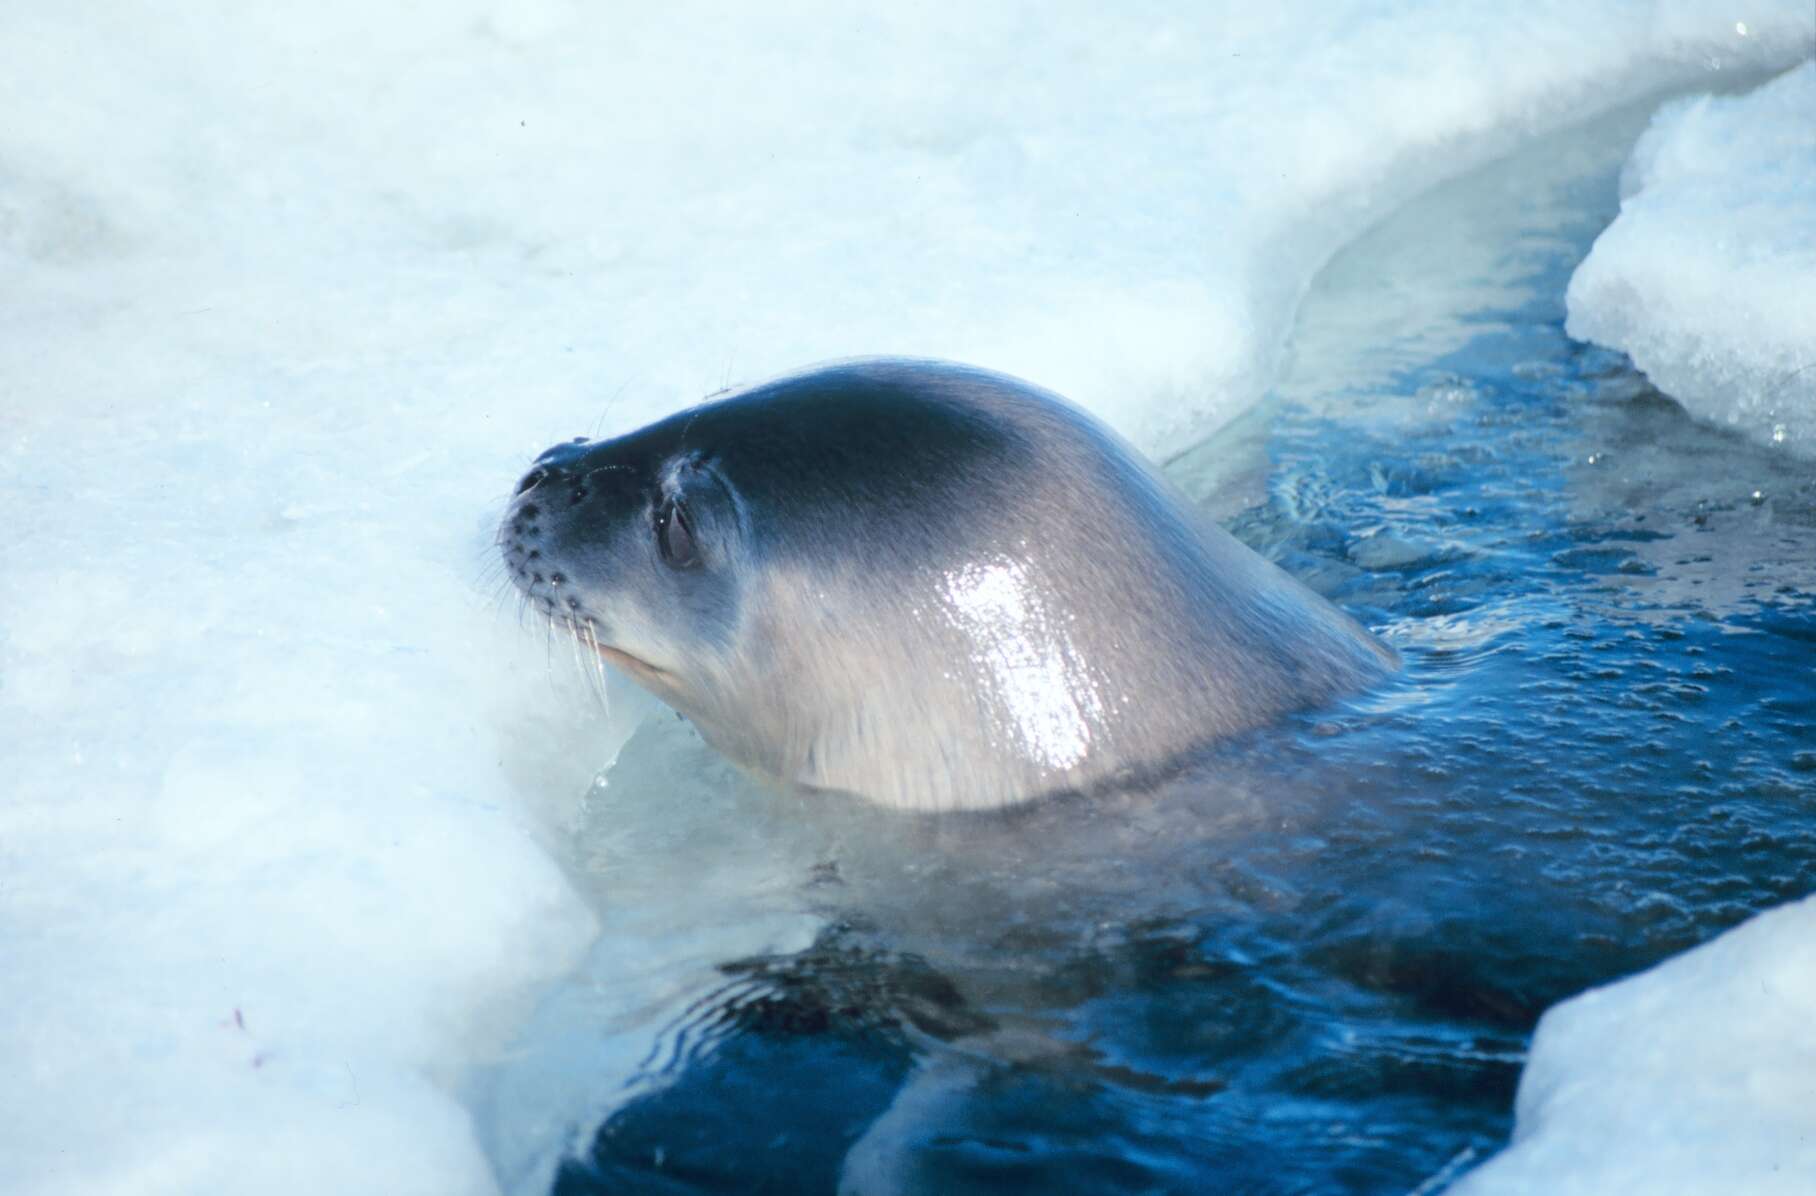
294 292
1707 279
1698 1076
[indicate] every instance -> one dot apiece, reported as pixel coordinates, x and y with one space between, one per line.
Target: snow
1698 1076
295 292
1707 279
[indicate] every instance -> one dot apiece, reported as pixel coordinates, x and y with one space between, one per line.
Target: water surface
1314 964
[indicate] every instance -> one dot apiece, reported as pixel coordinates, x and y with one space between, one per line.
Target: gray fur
929 585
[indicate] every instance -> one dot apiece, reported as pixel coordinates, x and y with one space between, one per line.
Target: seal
926 584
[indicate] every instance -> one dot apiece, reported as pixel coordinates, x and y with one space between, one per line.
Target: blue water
1315 964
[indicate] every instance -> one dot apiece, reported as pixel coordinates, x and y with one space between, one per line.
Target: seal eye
675 536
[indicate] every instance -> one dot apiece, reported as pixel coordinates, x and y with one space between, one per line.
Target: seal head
932 586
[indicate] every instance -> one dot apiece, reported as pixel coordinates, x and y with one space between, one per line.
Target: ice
1694 1077
1708 277
295 292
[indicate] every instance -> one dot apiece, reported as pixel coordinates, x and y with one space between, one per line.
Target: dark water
1314 966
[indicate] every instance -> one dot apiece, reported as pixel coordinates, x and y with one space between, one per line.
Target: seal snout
521 538
558 467
543 507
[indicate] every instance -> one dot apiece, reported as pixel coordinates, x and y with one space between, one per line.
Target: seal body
929 585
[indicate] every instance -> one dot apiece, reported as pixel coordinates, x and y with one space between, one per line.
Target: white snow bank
1707 279
1698 1076
293 293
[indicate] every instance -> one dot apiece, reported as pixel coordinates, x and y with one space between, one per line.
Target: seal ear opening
675 535
698 521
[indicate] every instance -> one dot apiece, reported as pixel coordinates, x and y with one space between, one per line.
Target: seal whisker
502 589
599 422
548 645
681 444
573 651
589 669
577 651
602 690
496 583
490 565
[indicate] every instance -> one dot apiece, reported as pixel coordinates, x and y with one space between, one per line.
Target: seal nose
552 465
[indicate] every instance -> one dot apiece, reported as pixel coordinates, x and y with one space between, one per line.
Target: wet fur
932 586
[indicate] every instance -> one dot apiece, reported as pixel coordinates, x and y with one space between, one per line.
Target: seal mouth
633 665
586 631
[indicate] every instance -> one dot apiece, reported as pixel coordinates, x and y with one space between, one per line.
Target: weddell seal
926 584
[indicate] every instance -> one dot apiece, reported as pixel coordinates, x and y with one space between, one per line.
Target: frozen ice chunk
1694 1077
1707 279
